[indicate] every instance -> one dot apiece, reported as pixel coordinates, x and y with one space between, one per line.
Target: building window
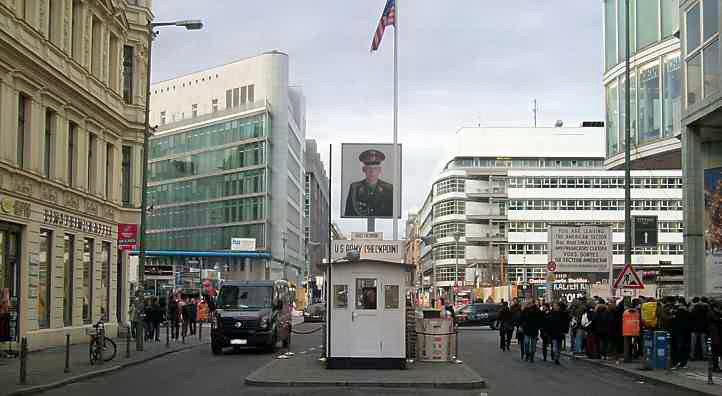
105 282
632 109
95 47
162 117
711 66
194 110
77 30
449 207
648 26
214 105
71 161
610 33
612 121
48 143
109 157
650 111
23 120
710 24
451 184
694 79
236 98
69 275
128 69
126 169
243 95
53 26
670 17
45 263
113 62
87 291
92 165
229 99
251 93
672 100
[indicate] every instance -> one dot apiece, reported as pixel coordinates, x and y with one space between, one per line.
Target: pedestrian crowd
180 313
594 327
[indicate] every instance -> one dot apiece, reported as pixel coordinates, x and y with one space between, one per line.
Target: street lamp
284 239
457 236
193 24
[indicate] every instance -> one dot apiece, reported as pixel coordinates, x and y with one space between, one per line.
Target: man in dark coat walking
506 327
531 322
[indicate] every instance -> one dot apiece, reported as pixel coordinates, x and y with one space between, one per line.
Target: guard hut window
391 296
340 296
366 294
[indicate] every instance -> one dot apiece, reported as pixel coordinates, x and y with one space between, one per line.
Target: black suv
478 315
252 314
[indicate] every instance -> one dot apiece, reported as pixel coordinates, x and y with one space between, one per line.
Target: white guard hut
366 314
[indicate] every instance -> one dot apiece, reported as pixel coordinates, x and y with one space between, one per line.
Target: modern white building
227 161
502 187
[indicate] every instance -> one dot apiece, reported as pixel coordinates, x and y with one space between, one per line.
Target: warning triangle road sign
628 279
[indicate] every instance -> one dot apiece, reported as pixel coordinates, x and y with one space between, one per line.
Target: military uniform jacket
363 201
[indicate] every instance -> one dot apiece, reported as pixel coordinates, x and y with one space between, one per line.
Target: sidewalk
45 368
693 378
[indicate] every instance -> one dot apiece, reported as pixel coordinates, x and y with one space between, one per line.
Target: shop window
45 264
87 292
68 275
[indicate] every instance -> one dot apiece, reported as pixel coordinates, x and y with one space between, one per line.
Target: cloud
460 65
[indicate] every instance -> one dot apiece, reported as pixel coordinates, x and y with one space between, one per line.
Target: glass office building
655 83
226 162
210 179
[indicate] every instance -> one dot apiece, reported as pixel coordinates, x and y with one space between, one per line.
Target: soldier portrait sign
367 185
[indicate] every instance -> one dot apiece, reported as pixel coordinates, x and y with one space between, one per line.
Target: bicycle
101 347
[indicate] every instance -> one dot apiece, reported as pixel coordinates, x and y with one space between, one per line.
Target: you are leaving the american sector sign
581 248
370 250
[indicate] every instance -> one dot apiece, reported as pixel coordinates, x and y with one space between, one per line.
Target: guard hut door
365 327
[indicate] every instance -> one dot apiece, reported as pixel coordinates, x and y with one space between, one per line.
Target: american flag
387 18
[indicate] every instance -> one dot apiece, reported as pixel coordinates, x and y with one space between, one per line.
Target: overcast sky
461 63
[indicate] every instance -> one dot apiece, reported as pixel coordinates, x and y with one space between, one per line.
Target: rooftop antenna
534 109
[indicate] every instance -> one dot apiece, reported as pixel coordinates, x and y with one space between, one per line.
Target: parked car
478 315
315 313
252 314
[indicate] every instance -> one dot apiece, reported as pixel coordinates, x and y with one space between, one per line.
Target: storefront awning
184 253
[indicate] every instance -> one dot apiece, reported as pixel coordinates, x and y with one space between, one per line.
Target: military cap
371 157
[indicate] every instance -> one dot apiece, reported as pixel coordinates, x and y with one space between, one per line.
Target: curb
640 375
481 384
97 373
249 380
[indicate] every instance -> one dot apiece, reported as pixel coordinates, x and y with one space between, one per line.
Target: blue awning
186 253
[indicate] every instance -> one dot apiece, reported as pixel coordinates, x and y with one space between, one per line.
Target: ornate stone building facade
72 100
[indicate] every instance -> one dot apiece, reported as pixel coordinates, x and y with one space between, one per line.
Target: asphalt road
197 372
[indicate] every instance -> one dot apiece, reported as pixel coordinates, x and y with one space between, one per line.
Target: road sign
644 230
552 266
628 279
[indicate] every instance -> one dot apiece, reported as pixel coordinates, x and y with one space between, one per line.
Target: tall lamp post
457 236
284 239
193 24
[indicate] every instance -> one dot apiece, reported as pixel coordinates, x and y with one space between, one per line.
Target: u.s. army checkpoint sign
393 251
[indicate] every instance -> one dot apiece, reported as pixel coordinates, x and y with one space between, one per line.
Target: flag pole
397 159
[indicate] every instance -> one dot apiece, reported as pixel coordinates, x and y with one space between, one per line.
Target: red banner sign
128 236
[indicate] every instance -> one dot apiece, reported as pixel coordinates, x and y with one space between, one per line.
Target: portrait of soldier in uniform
371 197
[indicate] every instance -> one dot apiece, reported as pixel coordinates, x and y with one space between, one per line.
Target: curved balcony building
656 83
